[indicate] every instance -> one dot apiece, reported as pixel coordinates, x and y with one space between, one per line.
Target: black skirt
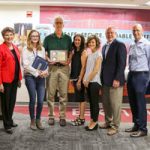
79 94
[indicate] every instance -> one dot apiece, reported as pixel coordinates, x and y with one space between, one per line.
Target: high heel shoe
94 128
86 127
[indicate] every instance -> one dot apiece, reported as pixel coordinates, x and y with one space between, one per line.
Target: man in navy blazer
112 77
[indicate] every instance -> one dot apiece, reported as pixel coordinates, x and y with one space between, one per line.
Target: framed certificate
58 55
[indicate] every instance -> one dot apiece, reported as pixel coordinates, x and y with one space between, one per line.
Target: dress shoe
86 127
92 129
112 131
133 129
104 126
39 124
51 121
14 125
138 134
33 125
9 131
62 122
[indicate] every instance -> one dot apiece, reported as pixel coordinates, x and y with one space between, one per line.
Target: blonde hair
30 44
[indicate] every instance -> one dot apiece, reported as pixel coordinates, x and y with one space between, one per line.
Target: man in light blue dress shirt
138 78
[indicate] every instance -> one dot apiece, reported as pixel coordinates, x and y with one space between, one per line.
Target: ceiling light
147 3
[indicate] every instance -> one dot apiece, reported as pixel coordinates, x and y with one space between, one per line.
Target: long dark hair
82 46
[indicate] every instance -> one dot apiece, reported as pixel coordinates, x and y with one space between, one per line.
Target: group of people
92 70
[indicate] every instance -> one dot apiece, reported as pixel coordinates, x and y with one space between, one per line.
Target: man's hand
65 63
1 88
116 84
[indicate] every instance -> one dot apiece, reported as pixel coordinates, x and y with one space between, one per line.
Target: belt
136 72
59 65
27 74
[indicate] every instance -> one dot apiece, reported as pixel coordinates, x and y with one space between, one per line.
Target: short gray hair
7 29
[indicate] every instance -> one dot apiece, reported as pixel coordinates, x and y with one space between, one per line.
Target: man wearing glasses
57 45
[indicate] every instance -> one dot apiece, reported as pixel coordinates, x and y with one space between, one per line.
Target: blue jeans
35 86
136 86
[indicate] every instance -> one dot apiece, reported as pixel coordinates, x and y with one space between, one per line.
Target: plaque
58 55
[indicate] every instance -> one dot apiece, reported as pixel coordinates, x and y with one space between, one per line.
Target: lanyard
35 53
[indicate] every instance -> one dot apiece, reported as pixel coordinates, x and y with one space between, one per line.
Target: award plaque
58 55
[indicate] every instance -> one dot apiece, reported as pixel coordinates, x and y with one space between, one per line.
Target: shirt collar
141 40
109 43
62 35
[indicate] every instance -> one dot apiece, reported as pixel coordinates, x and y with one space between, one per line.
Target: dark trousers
136 86
35 86
8 103
93 94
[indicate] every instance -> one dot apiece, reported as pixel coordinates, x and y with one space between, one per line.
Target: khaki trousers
112 101
58 80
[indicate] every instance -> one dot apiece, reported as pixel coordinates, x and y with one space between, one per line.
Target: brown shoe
104 126
51 121
39 125
138 134
132 129
33 125
62 122
112 131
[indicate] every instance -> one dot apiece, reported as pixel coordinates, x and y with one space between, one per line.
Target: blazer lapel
8 50
110 48
103 51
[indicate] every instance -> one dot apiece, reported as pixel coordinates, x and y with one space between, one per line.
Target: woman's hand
44 74
1 88
86 83
78 84
19 84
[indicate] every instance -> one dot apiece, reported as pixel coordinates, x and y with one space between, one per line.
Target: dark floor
67 138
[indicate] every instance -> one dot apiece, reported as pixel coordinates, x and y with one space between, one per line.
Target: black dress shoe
9 131
94 128
14 125
133 129
62 122
86 127
138 134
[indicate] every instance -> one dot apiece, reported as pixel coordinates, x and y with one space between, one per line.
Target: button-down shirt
139 55
107 45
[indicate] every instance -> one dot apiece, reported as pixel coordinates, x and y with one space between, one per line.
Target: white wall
17 14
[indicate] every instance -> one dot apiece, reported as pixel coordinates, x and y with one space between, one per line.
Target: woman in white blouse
92 80
34 79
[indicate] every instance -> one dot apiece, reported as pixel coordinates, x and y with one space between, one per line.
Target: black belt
136 72
59 65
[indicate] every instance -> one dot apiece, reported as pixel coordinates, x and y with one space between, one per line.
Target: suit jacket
7 64
113 65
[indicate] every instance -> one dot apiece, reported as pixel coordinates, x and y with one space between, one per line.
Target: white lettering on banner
125 112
